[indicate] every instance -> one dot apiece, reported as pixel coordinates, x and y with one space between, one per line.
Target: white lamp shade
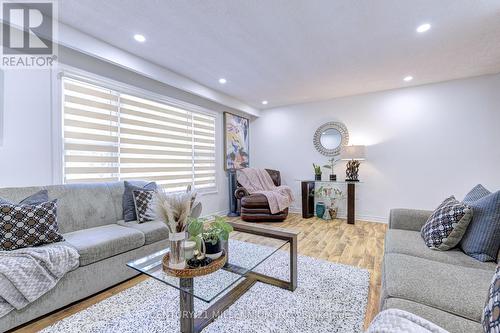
355 152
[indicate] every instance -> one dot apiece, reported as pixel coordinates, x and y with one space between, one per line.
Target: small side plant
317 169
203 232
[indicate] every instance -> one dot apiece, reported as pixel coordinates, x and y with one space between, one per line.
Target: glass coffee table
227 285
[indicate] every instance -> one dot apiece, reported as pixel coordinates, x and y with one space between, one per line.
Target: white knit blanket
26 274
259 181
399 321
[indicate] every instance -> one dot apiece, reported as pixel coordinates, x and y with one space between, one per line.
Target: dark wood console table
308 187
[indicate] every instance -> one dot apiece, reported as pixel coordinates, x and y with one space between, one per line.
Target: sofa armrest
240 192
408 219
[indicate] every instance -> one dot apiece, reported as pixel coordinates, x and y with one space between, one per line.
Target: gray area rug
329 298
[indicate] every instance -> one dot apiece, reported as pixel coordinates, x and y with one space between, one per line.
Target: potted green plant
333 177
213 236
209 236
317 172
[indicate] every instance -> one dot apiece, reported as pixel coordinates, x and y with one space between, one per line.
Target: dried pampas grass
174 209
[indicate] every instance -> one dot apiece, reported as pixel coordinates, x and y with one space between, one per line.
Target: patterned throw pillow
28 225
447 224
491 313
129 212
144 205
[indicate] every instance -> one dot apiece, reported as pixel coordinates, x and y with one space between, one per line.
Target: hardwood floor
358 245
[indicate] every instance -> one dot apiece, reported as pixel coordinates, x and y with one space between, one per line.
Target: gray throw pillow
482 239
36 198
447 224
476 193
128 205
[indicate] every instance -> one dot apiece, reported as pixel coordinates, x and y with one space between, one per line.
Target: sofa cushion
482 238
153 231
102 242
411 243
454 289
447 224
255 200
82 206
443 319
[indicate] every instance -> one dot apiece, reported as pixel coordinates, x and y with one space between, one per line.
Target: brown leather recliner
255 207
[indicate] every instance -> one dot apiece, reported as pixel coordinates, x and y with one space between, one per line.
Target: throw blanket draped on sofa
259 181
28 273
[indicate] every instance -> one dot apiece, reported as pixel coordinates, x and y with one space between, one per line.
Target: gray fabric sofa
447 288
91 220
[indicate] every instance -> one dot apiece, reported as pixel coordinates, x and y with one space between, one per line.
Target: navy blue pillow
34 199
128 204
482 238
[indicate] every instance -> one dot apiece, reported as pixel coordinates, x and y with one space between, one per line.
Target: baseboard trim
359 217
219 213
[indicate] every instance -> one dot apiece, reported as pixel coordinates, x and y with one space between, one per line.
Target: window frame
106 83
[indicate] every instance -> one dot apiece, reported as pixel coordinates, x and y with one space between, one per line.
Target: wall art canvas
236 141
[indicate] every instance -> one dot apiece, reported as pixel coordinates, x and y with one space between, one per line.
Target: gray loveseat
91 220
447 288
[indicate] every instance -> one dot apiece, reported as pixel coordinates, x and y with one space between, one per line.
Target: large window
110 135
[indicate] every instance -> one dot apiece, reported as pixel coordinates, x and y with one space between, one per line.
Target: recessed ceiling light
408 78
140 38
423 27
222 80
264 102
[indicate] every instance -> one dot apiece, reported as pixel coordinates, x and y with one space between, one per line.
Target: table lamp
354 154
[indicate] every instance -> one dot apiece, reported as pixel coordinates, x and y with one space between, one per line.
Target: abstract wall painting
236 141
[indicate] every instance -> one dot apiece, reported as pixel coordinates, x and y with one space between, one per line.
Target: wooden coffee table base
191 324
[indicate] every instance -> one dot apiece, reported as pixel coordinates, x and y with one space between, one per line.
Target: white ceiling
295 51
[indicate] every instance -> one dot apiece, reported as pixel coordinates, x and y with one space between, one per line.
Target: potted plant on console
317 172
333 176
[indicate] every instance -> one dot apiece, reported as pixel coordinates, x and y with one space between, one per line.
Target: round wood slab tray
216 264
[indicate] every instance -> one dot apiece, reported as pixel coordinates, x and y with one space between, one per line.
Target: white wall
423 143
26 154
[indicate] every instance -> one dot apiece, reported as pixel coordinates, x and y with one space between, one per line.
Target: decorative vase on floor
320 209
333 212
326 215
177 259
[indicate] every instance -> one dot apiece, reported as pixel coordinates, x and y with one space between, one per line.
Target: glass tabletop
243 258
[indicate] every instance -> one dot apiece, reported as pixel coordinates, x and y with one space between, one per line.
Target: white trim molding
358 217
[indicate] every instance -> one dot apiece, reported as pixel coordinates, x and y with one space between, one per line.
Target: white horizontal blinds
204 151
90 133
156 143
110 135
